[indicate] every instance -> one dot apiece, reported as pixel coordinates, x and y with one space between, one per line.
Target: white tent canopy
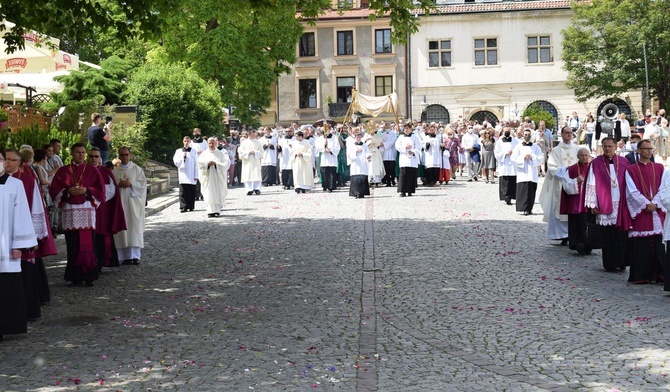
38 55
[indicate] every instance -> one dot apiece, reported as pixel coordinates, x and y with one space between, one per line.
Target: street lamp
647 97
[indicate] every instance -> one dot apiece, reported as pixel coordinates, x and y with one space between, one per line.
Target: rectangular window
345 88
345 3
345 43
383 85
383 41
308 45
486 51
307 93
539 49
439 53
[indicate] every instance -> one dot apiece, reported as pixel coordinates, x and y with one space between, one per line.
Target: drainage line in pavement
366 372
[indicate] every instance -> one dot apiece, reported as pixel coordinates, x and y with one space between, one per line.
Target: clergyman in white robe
213 165
130 242
301 162
16 232
560 158
527 157
251 152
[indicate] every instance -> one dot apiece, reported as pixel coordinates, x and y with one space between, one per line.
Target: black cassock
407 180
507 187
525 195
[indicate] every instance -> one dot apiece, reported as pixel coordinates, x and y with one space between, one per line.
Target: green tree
91 86
537 114
244 45
604 53
76 19
173 100
134 137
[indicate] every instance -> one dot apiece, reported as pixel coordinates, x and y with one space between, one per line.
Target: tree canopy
173 100
241 46
603 48
77 19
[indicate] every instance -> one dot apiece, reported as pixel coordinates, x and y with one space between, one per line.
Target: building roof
502 6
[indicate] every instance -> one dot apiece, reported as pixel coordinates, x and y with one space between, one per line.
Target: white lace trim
79 216
636 204
658 227
609 219
40 225
591 198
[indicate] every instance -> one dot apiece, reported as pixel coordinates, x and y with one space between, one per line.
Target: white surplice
560 158
357 158
214 179
433 154
251 163
527 168
303 173
376 170
406 158
16 229
187 165
129 242
269 145
328 148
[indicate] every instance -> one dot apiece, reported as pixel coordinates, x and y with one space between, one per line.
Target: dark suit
633 159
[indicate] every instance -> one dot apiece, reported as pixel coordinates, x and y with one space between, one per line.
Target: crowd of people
602 191
99 208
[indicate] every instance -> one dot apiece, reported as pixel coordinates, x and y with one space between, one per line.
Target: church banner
373 106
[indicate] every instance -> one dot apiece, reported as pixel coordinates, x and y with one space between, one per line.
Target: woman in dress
662 141
543 143
453 145
488 157
44 180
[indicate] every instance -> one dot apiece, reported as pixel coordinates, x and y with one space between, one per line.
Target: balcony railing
338 109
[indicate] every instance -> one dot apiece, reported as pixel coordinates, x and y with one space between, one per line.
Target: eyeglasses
645 148
94 156
13 160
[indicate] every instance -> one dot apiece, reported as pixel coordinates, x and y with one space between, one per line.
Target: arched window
548 107
620 103
435 113
485 115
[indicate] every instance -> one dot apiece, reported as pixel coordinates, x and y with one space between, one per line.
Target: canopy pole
353 99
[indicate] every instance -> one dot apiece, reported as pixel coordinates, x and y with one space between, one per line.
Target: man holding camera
99 137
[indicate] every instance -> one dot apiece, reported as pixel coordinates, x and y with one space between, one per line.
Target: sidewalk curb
159 203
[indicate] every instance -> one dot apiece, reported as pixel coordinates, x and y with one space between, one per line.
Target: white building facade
491 60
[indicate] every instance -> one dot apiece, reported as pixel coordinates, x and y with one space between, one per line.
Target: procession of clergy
100 211
613 202
293 156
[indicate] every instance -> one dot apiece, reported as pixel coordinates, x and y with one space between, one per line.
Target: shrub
36 137
538 114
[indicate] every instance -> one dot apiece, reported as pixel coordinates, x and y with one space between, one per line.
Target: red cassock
45 246
81 220
574 204
109 215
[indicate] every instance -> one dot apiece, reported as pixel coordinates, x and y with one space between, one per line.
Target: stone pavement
448 290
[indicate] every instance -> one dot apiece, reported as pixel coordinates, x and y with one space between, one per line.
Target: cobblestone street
448 290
